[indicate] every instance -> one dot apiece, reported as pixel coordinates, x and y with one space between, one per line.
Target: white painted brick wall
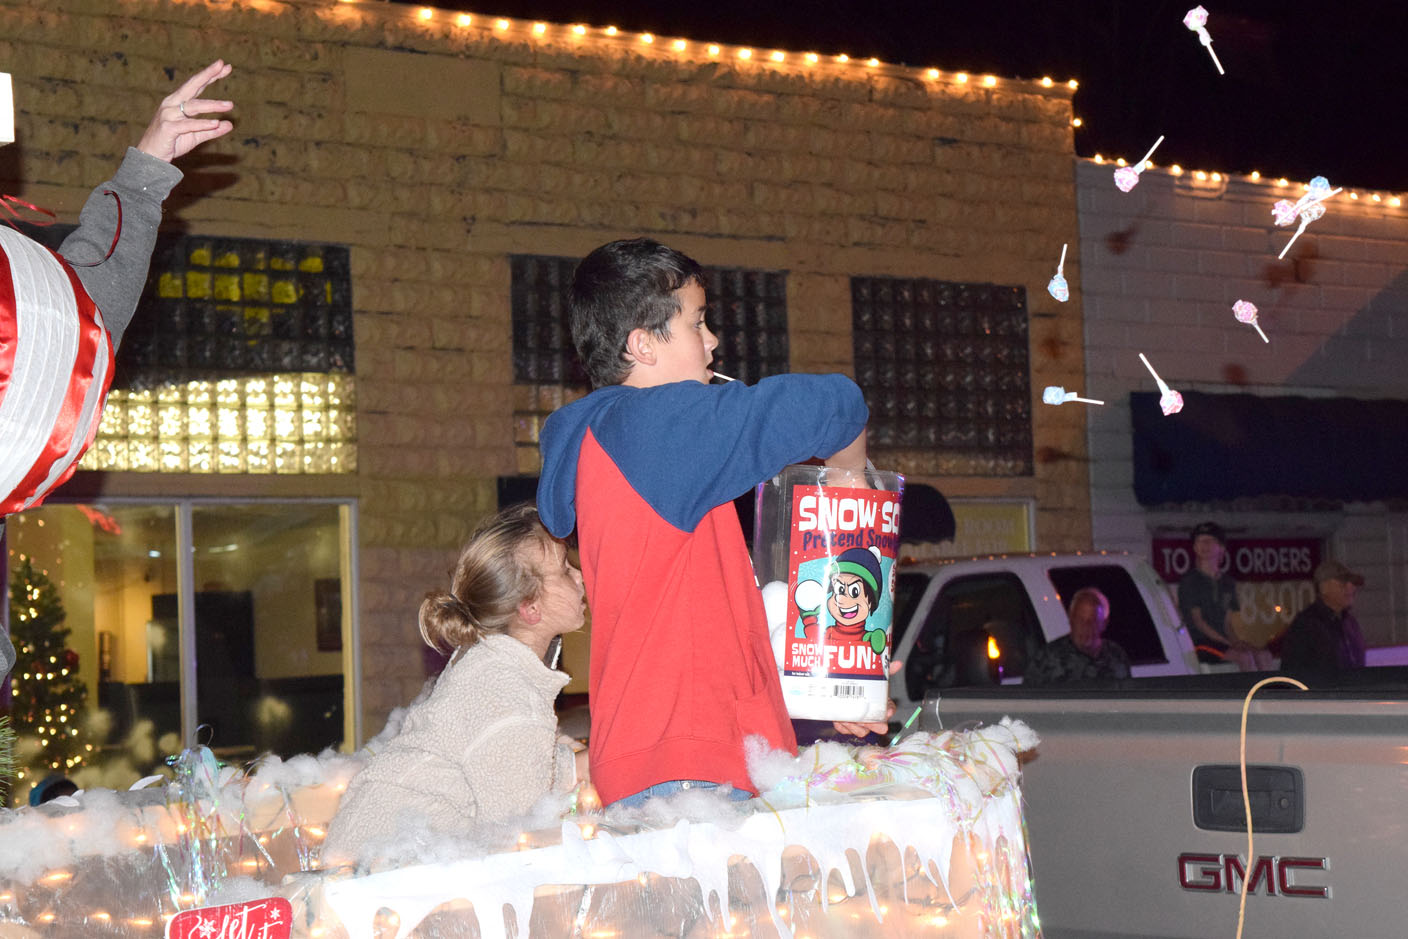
1160 269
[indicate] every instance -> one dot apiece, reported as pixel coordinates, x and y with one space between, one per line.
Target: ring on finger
182 106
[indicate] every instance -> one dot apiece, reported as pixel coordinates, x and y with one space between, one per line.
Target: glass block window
747 311
229 306
238 360
282 423
946 372
542 340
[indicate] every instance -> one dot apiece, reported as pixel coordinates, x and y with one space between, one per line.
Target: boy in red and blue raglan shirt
646 468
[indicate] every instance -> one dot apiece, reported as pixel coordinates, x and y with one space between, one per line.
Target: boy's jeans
679 785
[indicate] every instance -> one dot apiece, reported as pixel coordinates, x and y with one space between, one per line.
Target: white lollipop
7 109
1057 287
1055 394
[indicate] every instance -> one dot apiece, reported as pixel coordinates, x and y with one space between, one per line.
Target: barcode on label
848 691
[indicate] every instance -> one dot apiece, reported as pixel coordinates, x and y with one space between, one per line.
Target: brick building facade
436 150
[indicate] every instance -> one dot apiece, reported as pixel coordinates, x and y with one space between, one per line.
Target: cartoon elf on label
851 595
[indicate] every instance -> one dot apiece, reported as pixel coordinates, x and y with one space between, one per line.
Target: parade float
922 837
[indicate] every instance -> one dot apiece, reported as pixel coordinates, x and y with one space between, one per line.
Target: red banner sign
1248 559
270 918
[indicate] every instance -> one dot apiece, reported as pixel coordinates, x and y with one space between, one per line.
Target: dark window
227 307
1130 624
953 649
945 370
747 311
542 341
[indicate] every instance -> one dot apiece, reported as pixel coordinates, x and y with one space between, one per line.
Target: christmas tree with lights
47 698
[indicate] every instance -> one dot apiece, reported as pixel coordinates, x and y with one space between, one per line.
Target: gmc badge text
1216 873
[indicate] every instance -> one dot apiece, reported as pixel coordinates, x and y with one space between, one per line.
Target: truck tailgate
1109 795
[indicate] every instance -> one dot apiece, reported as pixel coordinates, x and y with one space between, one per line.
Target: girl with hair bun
482 743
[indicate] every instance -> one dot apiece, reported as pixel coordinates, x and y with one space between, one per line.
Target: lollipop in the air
1055 394
1127 177
1245 311
1170 401
1307 208
1057 287
1197 20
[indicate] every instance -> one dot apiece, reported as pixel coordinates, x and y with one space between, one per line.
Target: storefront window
228 624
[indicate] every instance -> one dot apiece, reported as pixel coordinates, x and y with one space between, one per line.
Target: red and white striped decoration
56 360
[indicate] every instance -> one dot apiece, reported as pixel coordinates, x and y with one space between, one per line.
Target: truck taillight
993 651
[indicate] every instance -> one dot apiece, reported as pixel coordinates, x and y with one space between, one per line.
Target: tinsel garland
7 754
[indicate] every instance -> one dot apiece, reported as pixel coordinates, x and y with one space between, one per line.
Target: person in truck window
1085 652
1325 636
1207 599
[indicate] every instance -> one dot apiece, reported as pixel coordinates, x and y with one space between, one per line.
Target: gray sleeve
7 655
141 184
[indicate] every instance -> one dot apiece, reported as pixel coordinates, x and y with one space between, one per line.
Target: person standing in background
1207 599
1325 636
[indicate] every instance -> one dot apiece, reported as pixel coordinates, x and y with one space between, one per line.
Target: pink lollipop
1309 213
1284 212
1308 208
1127 177
1197 20
1170 401
1057 287
1245 311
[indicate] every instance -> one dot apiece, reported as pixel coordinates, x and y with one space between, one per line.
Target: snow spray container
824 550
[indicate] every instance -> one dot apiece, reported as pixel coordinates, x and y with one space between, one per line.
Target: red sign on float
270 918
1248 559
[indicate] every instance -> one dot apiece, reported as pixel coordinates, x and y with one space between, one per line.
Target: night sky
1311 88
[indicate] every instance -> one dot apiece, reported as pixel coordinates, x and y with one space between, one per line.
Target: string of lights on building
1215 178
842 65
474 25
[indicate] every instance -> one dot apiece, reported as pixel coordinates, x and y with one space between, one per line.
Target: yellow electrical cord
1246 796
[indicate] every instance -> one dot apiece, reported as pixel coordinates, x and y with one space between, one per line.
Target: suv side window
1130 624
951 649
909 590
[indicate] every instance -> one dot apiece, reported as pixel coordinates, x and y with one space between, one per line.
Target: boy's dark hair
621 286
